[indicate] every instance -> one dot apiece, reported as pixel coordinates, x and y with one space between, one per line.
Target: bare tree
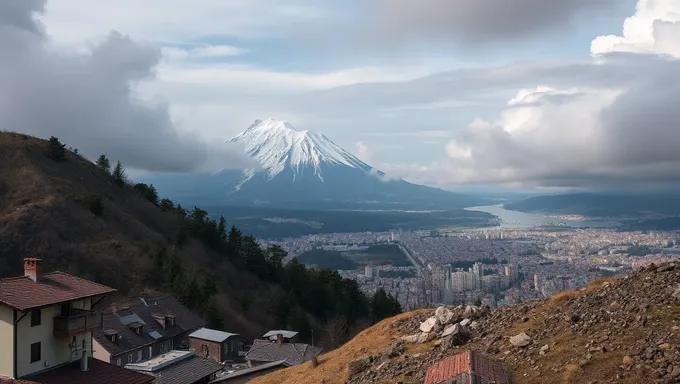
335 333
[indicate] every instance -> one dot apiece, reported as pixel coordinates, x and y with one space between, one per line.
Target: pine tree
119 176
103 163
56 150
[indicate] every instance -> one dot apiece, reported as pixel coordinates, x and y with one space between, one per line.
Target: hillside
599 205
624 330
73 215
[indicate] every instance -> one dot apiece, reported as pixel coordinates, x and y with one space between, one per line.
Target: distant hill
621 330
79 219
304 170
600 205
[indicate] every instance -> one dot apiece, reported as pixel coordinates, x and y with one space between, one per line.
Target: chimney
31 268
83 359
279 338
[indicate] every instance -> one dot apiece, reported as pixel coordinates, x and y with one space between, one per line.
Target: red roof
99 373
470 367
51 288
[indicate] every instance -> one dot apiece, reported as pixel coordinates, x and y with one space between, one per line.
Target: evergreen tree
103 163
56 150
119 176
167 205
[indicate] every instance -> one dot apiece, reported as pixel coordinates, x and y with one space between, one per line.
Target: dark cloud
88 100
482 21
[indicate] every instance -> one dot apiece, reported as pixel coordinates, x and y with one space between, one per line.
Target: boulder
470 310
521 340
410 338
474 325
429 325
443 315
449 330
465 322
425 337
459 336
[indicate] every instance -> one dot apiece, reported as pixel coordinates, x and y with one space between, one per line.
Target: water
523 220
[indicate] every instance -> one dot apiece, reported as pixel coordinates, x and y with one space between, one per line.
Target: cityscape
495 267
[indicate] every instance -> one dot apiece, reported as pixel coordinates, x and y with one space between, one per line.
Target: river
521 220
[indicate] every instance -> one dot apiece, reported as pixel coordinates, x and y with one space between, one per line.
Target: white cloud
201 52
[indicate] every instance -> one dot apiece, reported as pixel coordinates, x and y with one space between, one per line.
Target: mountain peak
278 146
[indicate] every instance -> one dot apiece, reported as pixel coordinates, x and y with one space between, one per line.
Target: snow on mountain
277 145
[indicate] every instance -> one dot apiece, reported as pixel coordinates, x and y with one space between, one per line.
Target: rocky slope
624 330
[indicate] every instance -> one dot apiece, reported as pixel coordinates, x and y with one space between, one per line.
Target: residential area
56 328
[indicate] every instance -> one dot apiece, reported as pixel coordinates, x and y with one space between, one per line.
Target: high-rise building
537 282
478 271
512 272
369 271
447 276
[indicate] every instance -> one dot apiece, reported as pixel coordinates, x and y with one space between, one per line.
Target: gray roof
187 371
212 335
285 334
292 353
247 371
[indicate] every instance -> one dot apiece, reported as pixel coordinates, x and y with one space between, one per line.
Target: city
492 267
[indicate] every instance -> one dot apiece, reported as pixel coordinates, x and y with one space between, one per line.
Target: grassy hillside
624 330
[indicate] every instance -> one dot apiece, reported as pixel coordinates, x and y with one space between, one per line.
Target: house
217 345
288 336
178 367
468 367
266 351
46 323
246 375
143 328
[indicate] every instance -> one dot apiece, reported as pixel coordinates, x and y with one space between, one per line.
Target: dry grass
333 365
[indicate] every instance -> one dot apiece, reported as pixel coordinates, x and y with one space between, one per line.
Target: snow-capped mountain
277 146
301 169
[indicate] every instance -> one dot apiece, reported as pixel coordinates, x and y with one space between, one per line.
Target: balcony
78 321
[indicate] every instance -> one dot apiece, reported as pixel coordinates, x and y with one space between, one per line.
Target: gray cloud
481 21
89 101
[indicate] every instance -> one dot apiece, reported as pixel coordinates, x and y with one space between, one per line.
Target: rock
429 325
410 338
394 350
666 268
474 325
448 330
664 346
676 293
443 315
357 366
544 350
425 337
470 310
521 340
575 317
675 372
615 305
627 360
459 336
465 322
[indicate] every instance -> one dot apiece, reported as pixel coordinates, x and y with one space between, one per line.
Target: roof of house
187 371
212 335
23 293
248 371
99 372
142 311
284 333
292 353
4 380
467 367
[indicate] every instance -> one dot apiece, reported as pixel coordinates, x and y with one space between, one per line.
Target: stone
443 315
545 348
459 336
449 330
665 346
357 366
675 372
470 310
474 325
627 360
394 350
425 337
410 338
429 325
521 340
465 322
676 293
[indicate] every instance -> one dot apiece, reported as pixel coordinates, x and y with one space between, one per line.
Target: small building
468 367
288 336
217 345
244 376
178 367
266 351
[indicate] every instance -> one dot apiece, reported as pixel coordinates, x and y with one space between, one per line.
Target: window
150 352
118 361
140 355
130 358
35 352
66 309
226 348
35 317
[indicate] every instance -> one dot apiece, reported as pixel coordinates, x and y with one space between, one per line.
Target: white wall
54 351
100 352
6 341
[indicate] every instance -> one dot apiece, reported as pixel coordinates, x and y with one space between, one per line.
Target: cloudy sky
521 94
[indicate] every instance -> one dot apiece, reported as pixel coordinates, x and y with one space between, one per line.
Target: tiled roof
292 353
99 372
141 310
467 367
250 370
51 288
212 335
188 371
